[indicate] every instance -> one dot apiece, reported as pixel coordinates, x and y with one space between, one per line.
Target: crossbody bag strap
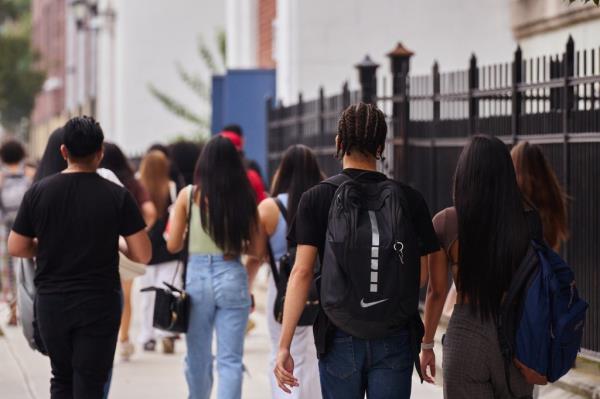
282 209
272 264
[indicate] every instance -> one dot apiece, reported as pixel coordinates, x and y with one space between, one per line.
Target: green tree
596 2
20 80
198 84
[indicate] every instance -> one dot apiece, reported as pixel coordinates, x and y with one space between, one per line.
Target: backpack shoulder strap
337 180
282 209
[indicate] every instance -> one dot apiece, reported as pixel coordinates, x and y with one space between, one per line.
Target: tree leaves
20 80
196 83
596 2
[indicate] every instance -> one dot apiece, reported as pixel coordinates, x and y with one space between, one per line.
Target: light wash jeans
220 301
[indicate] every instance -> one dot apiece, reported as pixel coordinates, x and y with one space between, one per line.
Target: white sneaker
126 350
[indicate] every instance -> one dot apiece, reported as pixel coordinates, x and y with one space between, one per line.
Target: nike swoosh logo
364 304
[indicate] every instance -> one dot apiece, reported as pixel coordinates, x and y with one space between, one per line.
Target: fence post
345 96
321 115
435 75
473 101
299 121
567 106
517 78
367 76
400 68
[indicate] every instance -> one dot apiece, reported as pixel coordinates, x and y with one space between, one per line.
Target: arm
139 248
149 213
434 304
297 292
424 271
255 252
268 216
178 222
21 246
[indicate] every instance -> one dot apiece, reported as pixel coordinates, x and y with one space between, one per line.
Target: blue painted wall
240 97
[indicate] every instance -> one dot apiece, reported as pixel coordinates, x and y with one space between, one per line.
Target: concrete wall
150 36
318 41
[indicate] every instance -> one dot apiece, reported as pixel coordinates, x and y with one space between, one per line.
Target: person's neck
13 168
359 161
80 168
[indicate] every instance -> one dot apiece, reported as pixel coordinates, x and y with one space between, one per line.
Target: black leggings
80 332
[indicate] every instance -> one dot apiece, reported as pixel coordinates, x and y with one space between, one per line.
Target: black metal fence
553 101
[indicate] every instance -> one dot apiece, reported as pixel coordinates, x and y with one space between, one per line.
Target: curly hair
362 127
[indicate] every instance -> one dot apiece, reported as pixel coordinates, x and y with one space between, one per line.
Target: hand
428 360
284 371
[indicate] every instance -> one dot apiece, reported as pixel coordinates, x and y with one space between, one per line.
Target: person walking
371 241
71 223
115 161
223 226
154 177
13 185
484 238
298 172
541 189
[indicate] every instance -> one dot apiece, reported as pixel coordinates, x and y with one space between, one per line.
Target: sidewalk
25 374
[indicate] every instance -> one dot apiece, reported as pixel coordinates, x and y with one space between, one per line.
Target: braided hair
361 127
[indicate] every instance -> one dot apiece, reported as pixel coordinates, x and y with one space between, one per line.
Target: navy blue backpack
542 317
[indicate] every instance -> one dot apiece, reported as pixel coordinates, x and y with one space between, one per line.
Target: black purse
172 305
282 276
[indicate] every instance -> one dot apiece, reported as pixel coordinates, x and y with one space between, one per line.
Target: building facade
48 38
543 27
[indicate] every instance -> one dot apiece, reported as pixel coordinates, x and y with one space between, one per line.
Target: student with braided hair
372 246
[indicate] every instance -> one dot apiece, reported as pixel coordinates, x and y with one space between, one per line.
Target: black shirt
310 228
160 253
77 219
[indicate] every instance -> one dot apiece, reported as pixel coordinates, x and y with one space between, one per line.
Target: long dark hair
115 160
298 171
493 234
540 186
227 205
184 154
52 161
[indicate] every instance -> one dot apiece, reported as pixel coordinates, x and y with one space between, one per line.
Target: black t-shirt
309 227
160 253
77 219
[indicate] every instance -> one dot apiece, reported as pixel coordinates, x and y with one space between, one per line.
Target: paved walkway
24 374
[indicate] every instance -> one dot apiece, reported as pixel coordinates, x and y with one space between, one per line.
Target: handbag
172 305
282 276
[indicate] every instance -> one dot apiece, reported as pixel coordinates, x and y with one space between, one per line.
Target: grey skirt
473 366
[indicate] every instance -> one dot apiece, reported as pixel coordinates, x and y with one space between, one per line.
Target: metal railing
553 101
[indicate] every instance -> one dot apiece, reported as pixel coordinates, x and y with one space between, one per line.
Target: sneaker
168 345
126 350
150 346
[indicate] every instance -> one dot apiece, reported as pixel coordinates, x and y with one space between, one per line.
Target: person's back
71 223
78 218
374 369
13 185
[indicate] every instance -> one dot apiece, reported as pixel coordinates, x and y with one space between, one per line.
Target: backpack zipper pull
399 248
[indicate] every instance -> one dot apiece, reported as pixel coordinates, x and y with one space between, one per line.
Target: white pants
306 365
154 277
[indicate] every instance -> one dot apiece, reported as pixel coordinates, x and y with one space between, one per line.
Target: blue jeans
220 301
381 368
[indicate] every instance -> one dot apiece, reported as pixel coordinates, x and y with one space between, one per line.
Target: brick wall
48 37
266 15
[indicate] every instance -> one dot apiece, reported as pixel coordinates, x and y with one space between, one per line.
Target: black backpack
369 282
282 276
